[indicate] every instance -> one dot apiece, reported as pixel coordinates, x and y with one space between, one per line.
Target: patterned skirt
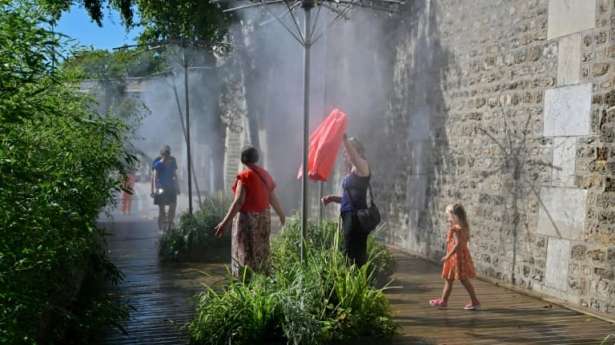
250 242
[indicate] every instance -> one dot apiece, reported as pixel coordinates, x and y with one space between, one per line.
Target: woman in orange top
254 192
457 263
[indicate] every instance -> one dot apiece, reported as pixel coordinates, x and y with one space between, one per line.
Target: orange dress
459 265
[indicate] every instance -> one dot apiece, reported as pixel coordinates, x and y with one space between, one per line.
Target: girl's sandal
438 302
471 306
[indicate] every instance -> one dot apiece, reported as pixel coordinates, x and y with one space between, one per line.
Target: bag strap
371 195
262 179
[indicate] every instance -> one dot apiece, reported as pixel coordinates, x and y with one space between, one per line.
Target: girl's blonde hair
460 212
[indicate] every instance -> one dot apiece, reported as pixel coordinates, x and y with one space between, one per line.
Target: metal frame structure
307 37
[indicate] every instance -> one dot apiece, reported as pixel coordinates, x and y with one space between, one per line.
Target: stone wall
509 108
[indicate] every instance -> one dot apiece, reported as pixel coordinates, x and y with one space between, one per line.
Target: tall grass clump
194 239
324 300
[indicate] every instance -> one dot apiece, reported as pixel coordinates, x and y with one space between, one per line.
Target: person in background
354 198
457 263
128 191
164 187
254 193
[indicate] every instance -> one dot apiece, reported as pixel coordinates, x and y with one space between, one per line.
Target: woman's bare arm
357 161
275 203
455 248
331 198
240 198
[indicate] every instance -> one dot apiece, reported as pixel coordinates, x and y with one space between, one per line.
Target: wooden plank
506 317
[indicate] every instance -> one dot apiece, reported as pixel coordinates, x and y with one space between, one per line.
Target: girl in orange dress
457 263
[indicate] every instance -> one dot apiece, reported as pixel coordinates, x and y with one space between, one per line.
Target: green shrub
59 165
194 238
286 246
323 300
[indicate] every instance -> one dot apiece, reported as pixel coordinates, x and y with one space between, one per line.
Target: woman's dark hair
165 150
249 155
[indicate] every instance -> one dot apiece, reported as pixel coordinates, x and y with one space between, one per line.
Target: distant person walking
354 197
254 192
457 263
128 192
164 187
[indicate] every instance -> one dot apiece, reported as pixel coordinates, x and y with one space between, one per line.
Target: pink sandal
471 306
438 302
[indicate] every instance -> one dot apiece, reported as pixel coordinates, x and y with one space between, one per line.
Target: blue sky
77 24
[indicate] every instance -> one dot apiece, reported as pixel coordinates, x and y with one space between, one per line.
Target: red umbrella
325 143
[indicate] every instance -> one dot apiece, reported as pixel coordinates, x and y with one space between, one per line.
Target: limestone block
567 111
564 161
562 213
570 16
569 60
558 258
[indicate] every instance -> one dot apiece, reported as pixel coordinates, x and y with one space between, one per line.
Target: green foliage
380 265
116 65
93 7
59 165
22 66
323 300
190 23
109 71
194 239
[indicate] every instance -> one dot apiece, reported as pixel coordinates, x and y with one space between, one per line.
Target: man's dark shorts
167 197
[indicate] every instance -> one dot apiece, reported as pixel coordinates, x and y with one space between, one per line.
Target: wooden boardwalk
506 317
162 295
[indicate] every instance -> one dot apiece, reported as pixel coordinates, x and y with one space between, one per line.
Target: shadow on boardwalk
162 295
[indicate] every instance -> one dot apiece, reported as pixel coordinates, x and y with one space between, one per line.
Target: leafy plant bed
323 300
194 239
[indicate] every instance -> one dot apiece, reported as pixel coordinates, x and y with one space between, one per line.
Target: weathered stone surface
578 252
558 258
567 111
600 69
570 16
569 60
563 212
564 161
611 256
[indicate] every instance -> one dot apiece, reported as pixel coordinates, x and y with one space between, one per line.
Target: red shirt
258 185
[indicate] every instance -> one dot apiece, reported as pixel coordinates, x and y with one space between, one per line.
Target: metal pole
307 6
188 133
321 192
180 113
